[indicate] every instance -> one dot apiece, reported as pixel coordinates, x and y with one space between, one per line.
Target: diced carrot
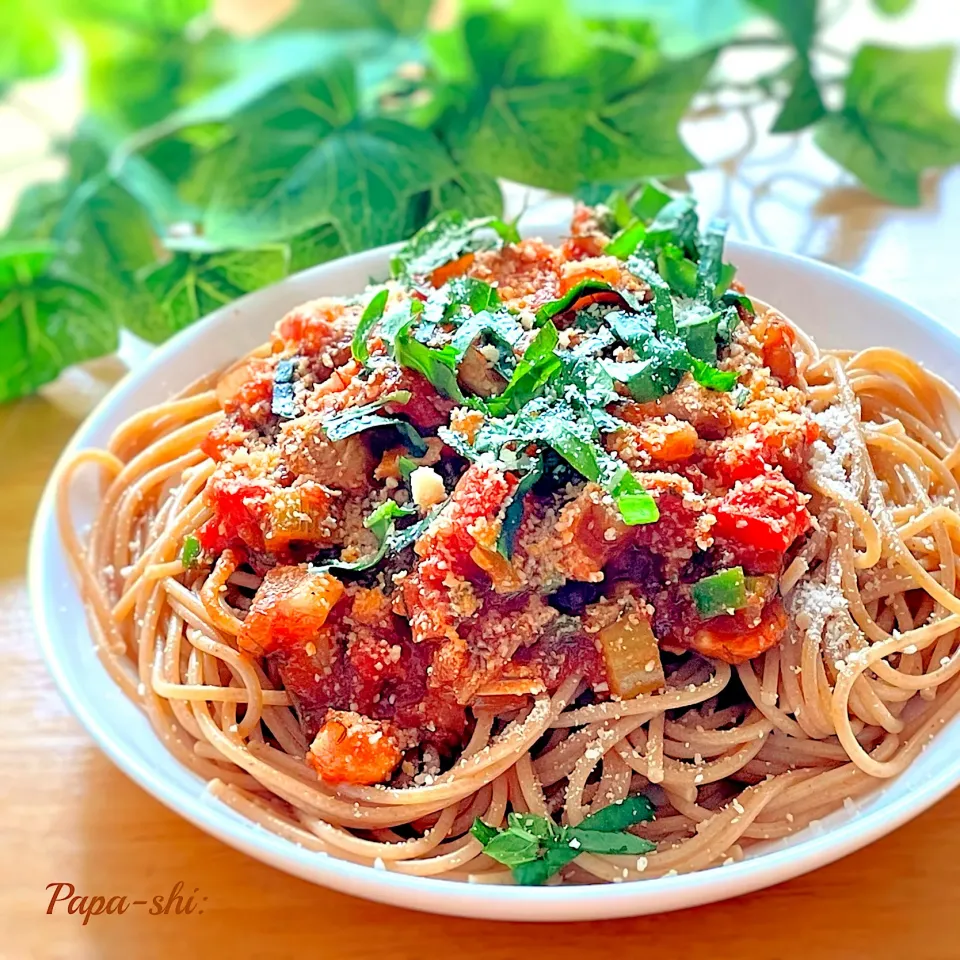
607 269
504 576
453 269
779 341
726 638
352 748
290 607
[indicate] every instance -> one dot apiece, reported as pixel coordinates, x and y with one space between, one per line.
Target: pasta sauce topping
512 466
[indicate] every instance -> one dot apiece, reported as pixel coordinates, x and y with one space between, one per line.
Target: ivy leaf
803 105
48 320
193 284
106 236
316 245
538 112
473 194
38 211
360 179
797 18
29 47
893 8
636 135
407 16
683 27
895 123
141 64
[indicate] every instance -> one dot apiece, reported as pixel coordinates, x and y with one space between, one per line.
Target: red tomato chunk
767 513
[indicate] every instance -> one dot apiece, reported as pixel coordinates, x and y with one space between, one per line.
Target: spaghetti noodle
732 745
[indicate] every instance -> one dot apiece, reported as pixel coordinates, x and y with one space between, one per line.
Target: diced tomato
352 748
428 594
290 608
425 408
314 327
767 513
735 458
785 440
607 269
661 439
479 494
238 503
584 247
223 439
252 397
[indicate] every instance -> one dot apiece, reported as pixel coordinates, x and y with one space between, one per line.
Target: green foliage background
208 166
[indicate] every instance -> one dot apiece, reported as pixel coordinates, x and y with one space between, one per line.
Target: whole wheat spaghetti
373 588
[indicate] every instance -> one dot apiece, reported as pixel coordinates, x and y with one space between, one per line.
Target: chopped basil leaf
712 378
190 551
662 302
534 824
599 841
535 847
710 270
585 287
512 848
357 419
406 466
699 333
283 400
371 421
646 380
676 223
498 327
534 371
380 522
447 238
513 515
679 272
437 364
555 858
619 816
383 524
483 832
476 294
625 243
650 201
369 319
734 299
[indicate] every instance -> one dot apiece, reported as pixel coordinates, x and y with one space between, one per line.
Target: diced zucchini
632 656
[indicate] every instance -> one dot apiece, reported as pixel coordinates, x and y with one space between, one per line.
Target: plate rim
435 895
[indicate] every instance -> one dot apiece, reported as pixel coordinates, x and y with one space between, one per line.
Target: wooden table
67 815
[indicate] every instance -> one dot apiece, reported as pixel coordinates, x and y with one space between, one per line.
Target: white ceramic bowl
836 308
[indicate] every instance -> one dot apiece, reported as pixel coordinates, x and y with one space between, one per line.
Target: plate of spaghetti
599 571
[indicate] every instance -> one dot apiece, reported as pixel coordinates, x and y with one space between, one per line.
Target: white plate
836 308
